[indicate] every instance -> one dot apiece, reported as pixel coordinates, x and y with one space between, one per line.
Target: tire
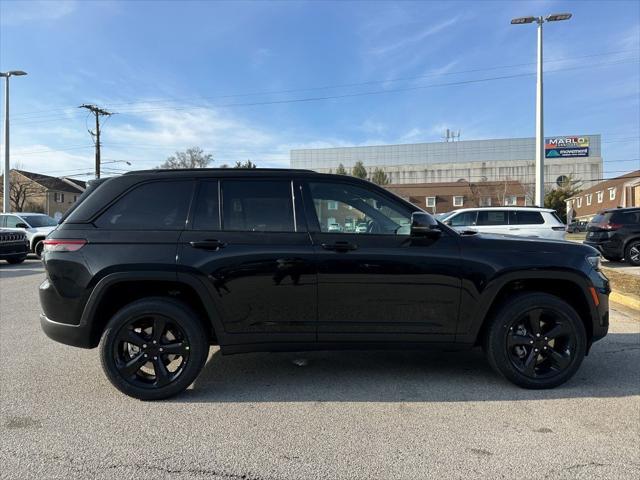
632 253
15 260
511 341
37 249
128 341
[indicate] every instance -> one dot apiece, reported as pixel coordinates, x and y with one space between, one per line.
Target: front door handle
209 244
339 246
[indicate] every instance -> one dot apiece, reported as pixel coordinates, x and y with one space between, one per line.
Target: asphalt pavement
335 415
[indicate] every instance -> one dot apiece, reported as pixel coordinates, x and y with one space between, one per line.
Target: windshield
39 220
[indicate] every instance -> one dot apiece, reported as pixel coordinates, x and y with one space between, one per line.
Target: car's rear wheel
153 348
632 253
536 340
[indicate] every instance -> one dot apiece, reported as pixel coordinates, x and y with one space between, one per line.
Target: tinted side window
625 218
257 206
492 217
207 207
527 218
463 219
151 206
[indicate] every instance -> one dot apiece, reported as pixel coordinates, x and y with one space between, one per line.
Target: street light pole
539 165
6 207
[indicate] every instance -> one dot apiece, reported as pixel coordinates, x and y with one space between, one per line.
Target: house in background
622 191
35 192
446 196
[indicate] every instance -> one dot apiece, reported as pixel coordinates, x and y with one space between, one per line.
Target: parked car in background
156 266
521 221
616 234
577 227
36 227
14 246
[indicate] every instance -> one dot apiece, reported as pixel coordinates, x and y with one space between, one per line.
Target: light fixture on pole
5 185
555 17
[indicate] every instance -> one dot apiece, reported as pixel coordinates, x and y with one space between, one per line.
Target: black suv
616 234
156 266
14 246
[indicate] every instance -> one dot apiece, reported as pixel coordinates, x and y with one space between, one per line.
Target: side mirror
22 225
424 225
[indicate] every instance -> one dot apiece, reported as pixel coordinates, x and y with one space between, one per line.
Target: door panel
262 280
377 283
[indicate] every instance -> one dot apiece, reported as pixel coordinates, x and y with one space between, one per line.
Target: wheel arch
116 290
568 286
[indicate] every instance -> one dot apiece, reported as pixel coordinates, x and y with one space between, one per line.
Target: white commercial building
575 156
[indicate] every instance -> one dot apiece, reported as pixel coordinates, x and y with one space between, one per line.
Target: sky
253 80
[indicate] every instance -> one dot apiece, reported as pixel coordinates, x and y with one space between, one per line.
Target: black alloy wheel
39 248
151 351
541 343
535 340
154 348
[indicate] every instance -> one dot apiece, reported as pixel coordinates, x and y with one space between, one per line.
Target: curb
626 300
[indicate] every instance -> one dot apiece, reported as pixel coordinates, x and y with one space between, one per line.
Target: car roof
20 214
222 171
526 209
618 209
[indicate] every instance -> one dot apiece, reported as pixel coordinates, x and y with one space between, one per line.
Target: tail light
55 245
611 226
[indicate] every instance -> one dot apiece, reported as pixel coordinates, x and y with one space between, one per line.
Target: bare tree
247 164
21 191
193 157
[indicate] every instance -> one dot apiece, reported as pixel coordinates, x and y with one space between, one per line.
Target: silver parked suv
522 221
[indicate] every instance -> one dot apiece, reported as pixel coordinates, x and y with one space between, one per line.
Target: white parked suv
522 221
35 225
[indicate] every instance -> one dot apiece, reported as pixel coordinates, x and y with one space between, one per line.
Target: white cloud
18 13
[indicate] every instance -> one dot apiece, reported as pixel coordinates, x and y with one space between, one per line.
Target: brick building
622 191
447 196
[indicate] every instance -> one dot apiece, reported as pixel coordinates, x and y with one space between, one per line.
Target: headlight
595 262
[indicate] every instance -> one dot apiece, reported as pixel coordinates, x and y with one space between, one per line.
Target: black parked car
577 227
616 234
155 266
14 246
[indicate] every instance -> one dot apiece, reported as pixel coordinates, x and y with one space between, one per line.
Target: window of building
612 193
58 197
431 201
369 213
600 196
257 206
458 201
485 201
579 202
492 217
207 207
150 206
589 197
510 200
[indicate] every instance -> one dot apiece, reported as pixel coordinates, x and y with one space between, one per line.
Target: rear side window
525 218
492 217
151 206
257 206
625 218
207 207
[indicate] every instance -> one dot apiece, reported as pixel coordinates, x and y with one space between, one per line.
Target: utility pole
98 112
539 168
6 199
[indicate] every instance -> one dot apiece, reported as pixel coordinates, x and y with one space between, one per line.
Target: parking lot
334 415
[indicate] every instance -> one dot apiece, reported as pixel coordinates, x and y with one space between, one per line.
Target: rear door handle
339 246
208 244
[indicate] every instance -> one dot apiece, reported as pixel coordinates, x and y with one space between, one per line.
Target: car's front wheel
536 340
38 248
16 260
632 253
153 348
